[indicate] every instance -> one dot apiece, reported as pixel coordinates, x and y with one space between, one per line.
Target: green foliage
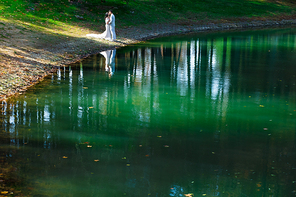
135 12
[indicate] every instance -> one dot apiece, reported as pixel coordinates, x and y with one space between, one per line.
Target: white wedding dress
105 35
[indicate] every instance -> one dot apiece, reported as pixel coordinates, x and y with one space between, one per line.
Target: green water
206 114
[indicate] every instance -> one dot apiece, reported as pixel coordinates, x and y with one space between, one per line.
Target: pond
209 114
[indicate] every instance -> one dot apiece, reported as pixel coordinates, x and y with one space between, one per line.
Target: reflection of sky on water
204 116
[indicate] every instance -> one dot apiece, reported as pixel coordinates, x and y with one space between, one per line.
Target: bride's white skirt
105 35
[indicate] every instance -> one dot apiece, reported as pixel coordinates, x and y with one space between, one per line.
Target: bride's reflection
110 60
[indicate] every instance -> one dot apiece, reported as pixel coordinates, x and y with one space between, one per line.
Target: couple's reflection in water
109 61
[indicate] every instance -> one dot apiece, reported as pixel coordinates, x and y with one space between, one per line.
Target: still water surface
203 115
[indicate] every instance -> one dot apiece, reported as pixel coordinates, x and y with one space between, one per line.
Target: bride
107 33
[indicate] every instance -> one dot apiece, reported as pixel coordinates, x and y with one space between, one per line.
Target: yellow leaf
64 157
4 192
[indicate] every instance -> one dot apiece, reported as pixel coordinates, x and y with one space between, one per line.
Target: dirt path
28 55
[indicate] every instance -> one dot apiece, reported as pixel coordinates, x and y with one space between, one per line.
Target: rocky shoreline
25 60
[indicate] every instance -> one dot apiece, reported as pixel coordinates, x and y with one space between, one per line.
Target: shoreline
26 63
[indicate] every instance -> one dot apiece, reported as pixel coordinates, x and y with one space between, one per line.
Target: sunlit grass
137 12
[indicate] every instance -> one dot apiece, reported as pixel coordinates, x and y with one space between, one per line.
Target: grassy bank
54 13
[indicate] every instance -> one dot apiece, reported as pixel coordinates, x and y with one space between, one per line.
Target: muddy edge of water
27 65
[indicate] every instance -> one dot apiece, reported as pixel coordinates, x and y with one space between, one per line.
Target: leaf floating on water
261 105
259 184
89 146
64 157
147 155
265 129
188 195
213 153
96 160
128 164
159 136
166 146
123 157
4 192
140 145
90 107
85 88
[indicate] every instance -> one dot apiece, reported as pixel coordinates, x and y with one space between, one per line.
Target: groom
112 25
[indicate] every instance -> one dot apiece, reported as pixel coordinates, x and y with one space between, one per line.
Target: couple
109 33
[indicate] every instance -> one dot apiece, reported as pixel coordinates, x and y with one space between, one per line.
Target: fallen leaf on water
261 105
123 157
159 136
96 160
4 192
89 146
188 195
140 145
85 87
128 164
147 155
64 157
259 185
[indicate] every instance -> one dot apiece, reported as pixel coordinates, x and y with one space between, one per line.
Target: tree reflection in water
206 114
